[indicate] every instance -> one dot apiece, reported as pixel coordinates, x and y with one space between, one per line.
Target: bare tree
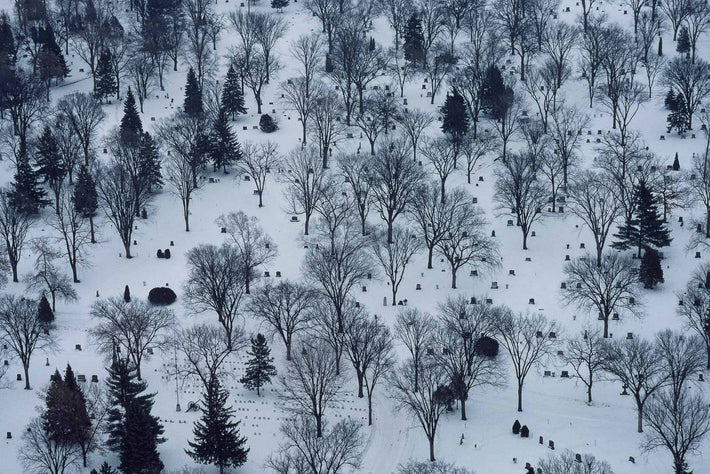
394 257
396 178
439 65
624 102
216 282
552 167
334 208
506 120
46 277
41 453
84 113
338 448
414 123
585 353
358 176
611 287
677 424
138 327
257 162
433 216
179 175
378 362
141 71
519 189
301 97
442 153
638 365
268 29
431 15
307 51
461 325
426 403
22 331
401 70
474 149
541 86
91 37
567 121
74 231
340 269
330 15
699 187
198 26
14 226
415 330
676 11
359 334
682 357
697 22
695 310
587 6
255 247
591 198
68 144
368 120
558 43
690 80
569 463
313 384
204 350
285 308
257 74
653 65
592 53
528 339
326 124
464 242
648 30
305 182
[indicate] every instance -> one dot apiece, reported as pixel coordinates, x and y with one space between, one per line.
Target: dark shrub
162 295
44 311
126 294
160 254
525 432
516 427
486 346
166 254
267 124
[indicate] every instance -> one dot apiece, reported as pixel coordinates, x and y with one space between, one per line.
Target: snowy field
555 407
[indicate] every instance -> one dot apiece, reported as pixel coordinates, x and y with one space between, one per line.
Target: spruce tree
85 197
496 97
26 194
150 161
44 312
670 101
49 163
131 128
676 162
142 433
455 120
126 294
105 78
80 422
217 440
646 229
683 44
651 271
679 117
260 367
232 100
193 96
224 147
414 41
279 4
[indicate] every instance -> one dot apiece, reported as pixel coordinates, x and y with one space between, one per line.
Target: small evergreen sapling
26 195
126 294
267 124
44 312
260 368
646 229
676 163
516 427
651 271
683 44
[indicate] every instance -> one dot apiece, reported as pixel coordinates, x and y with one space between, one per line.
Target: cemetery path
387 443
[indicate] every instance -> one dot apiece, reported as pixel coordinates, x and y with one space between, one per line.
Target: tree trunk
54 300
360 393
127 247
261 201
453 277
525 240
463 408
606 326
679 464
431 449
520 396
319 426
708 352
91 225
369 409
288 350
639 416
394 294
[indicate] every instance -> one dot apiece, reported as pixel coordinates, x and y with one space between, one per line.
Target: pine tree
651 272
193 96
44 312
105 77
676 162
496 97
683 44
646 229
142 433
85 197
279 4
670 101
126 294
232 100
131 128
217 439
150 161
49 163
679 117
26 195
414 41
455 120
224 147
260 367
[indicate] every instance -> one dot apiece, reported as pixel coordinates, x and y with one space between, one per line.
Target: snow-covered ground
554 407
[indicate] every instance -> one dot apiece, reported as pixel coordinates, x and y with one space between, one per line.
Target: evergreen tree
85 197
49 163
670 101
142 433
455 120
126 294
232 100
651 272
679 117
8 47
44 311
217 439
51 63
26 194
131 128
224 147
683 44
414 41
496 97
260 367
676 163
150 161
646 229
279 4
104 469
105 78
193 96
